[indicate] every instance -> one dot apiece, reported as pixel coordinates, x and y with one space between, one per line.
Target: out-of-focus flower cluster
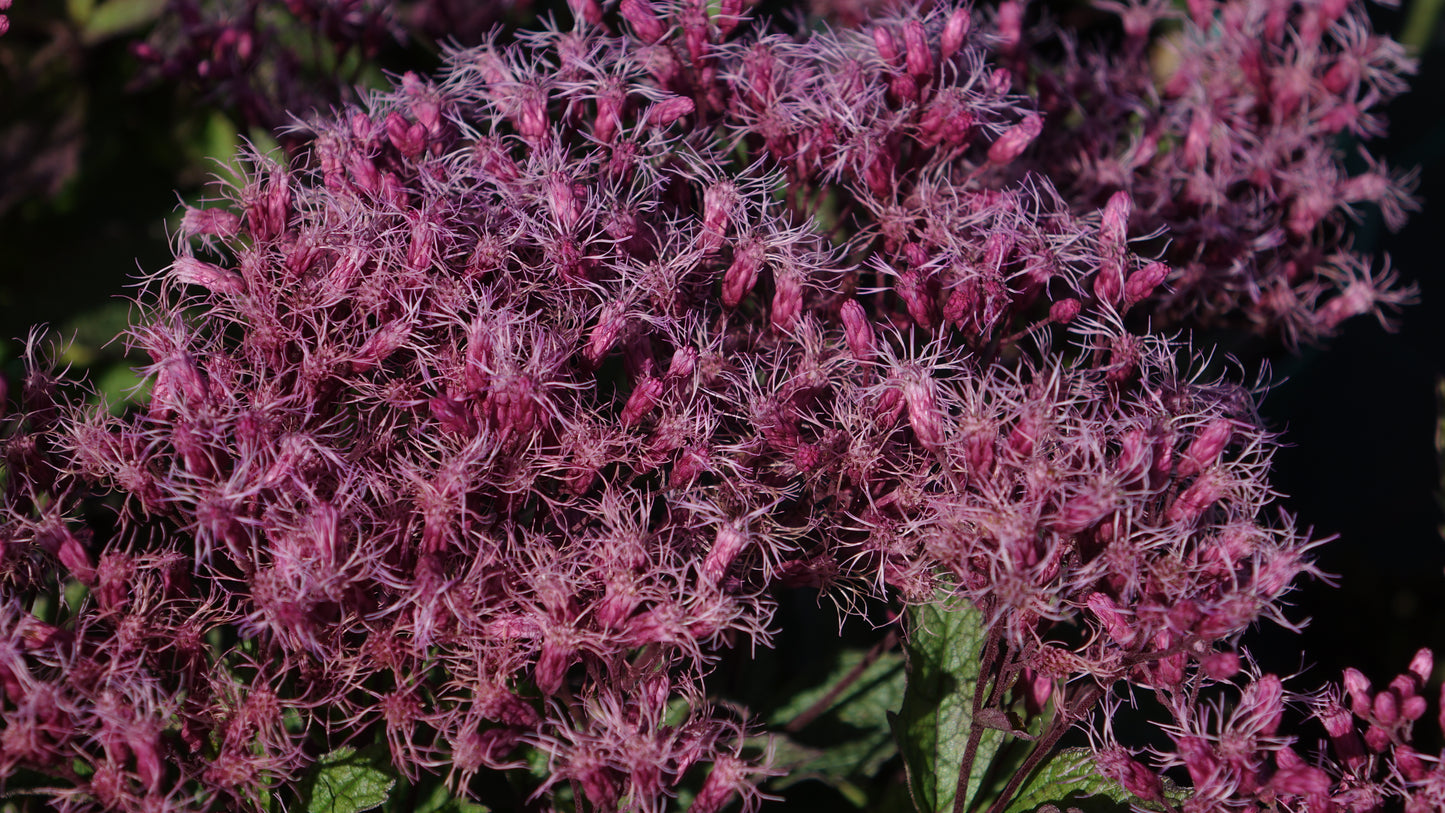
269 61
493 420
1228 126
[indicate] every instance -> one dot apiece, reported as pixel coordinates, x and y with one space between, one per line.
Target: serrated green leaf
346 781
1068 779
945 647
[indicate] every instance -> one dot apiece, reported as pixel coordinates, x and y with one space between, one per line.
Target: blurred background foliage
113 112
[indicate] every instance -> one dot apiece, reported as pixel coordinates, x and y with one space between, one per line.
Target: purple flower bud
387 339
1015 140
1358 687
1141 284
1412 764
690 463
1065 310
954 32
1117 622
409 138
912 288
924 415
1009 23
1199 759
1205 449
211 222
604 335
1203 493
1220 665
857 330
669 110
684 362
644 18
729 15
728 543
1119 765
787 299
1262 702
1298 778
1422 665
642 401
740 277
721 204
531 119
191 271
887 48
1414 707
920 55
1386 708
512 405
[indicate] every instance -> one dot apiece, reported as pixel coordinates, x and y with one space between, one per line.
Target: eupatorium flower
494 419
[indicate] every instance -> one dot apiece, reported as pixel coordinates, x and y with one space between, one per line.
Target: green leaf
115 17
850 739
441 801
945 647
347 781
1068 779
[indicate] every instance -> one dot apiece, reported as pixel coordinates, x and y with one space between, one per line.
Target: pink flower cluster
1227 132
493 420
1240 753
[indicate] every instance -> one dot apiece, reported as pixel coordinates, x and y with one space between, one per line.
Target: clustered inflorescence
501 413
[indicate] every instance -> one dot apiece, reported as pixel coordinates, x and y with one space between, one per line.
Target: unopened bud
1358 687
532 121
740 277
563 195
729 14
1205 449
644 19
684 362
1423 664
1263 702
1134 776
386 340
1141 283
1115 620
669 110
207 275
1065 310
409 138
644 397
1299 778
604 335
212 222
954 32
787 299
920 56
1220 665
887 48
1015 140
857 330
1192 503
923 412
727 545
1009 24
720 205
